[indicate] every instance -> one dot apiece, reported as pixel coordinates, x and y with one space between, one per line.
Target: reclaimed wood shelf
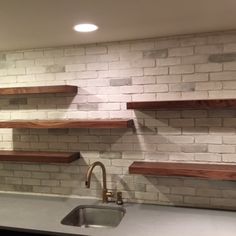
205 171
39 90
184 104
39 157
63 124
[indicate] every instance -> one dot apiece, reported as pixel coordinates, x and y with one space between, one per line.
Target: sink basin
94 216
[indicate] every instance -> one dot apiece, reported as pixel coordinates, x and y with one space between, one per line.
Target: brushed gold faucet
105 193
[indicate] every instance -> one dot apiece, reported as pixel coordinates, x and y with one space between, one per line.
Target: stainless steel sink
94 216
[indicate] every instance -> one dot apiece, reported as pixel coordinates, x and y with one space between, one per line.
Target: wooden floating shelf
39 157
63 124
184 104
39 90
206 171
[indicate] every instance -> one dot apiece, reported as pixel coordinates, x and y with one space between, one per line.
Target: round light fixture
85 28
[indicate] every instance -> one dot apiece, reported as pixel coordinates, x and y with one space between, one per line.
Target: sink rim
120 209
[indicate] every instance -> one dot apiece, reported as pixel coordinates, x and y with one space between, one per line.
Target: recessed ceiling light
85 27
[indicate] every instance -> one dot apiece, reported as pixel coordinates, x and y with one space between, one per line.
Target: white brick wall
108 76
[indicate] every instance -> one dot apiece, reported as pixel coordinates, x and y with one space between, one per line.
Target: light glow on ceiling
84 28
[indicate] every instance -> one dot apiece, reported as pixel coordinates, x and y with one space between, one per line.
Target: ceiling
45 23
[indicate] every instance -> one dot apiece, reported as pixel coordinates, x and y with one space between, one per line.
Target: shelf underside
39 90
184 104
62 124
39 157
206 171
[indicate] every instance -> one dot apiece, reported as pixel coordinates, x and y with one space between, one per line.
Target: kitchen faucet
105 193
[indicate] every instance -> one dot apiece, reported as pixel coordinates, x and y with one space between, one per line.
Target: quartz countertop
34 213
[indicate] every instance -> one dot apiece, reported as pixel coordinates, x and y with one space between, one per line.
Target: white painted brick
160 88
229 85
156 71
119 47
33 54
131 56
143 97
176 52
156 122
142 45
223 76
109 106
181 157
75 67
131 72
193 41
230 66
96 50
181 139
25 63
207 157
221 94
231 47
182 69
183 190
97 66
209 86
195 59
16 71
169 96
229 158
14 56
44 62
195 95
132 89
167 43
35 70
229 140
181 122
119 65
197 77
208 139
143 63
144 80
168 61
87 75
178 87
208 49
168 79
208 67
54 52
109 90
74 51
221 148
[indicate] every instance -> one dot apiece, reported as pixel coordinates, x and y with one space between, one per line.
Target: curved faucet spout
90 171
105 193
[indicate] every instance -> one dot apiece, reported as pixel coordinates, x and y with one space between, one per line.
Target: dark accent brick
87 106
55 68
162 53
18 101
120 82
58 131
225 57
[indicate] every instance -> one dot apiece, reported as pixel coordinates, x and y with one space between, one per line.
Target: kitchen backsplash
108 75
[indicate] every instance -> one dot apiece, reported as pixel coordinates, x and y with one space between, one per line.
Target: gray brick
162 53
87 106
2 57
18 101
111 155
120 82
225 57
55 69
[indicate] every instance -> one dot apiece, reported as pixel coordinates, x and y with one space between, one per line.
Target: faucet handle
119 199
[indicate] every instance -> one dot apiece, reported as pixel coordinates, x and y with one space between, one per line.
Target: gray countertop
44 213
